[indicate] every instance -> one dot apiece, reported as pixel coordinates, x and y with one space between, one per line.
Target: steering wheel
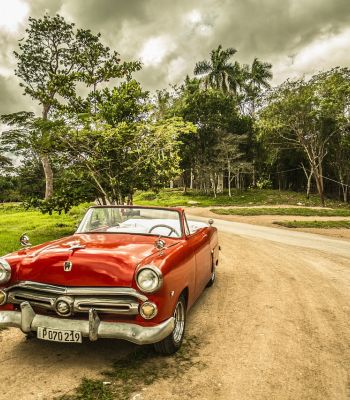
165 226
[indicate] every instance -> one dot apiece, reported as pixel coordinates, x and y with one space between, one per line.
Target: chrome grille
124 301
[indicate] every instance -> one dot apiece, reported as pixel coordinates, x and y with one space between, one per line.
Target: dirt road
276 325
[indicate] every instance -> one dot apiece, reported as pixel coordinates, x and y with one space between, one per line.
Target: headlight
149 279
5 271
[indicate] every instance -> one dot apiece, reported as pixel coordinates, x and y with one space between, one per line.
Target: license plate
57 335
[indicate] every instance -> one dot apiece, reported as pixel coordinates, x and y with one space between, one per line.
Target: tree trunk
309 179
220 186
308 187
345 192
229 177
191 179
213 184
320 189
254 176
45 161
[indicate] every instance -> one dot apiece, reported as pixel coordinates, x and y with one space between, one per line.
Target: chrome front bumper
28 321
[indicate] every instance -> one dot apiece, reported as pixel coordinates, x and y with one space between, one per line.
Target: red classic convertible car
127 273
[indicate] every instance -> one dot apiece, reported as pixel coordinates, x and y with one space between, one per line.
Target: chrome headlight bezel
5 271
153 271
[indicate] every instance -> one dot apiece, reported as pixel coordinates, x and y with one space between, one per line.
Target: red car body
106 260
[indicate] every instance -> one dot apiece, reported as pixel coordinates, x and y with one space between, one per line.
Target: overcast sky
299 37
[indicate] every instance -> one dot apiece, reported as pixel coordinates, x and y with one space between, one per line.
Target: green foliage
315 224
219 72
264 183
53 57
250 197
308 115
125 103
220 133
15 220
51 60
118 160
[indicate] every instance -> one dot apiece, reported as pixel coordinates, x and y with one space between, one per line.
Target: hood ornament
24 240
67 266
160 245
76 246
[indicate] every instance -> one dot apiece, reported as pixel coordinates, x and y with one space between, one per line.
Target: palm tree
219 72
260 74
256 78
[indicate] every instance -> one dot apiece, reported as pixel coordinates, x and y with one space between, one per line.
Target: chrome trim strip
93 328
106 305
79 291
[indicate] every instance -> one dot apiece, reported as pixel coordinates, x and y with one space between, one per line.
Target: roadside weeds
132 374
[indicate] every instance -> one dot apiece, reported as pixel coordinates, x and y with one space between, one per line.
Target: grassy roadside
133 373
14 221
250 197
305 212
314 224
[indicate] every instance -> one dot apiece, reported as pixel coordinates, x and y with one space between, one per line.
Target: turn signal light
148 310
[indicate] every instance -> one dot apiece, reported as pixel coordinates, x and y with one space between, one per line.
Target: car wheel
172 343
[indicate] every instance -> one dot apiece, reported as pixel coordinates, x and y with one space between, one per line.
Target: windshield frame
179 212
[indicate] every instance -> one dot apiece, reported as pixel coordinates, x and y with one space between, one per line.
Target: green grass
250 197
315 224
14 221
305 212
129 375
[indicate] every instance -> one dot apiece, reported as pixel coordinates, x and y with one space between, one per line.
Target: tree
118 160
51 60
215 114
308 115
232 158
336 92
4 161
256 79
219 72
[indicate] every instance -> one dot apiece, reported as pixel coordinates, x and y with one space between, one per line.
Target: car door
199 243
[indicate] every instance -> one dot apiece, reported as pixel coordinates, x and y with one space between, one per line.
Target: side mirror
24 240
210 222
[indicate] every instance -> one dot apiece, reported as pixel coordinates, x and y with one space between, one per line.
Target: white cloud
177 69
194 17
12 14
324 53
156 49
194 20
5 71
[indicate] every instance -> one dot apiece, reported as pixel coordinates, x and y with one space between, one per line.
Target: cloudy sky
299 37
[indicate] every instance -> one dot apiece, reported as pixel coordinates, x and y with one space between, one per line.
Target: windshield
132 220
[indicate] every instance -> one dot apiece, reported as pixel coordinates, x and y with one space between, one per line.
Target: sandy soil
274 326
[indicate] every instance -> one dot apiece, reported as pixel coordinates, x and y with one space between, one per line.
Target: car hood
96 260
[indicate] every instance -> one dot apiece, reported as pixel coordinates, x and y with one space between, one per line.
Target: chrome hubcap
179 316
